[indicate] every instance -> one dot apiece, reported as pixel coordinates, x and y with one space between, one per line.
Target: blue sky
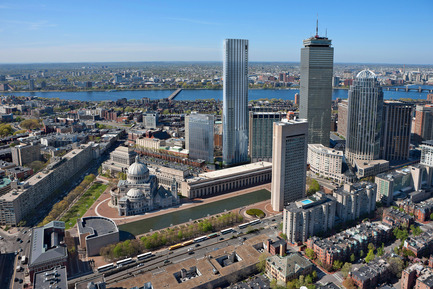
380 31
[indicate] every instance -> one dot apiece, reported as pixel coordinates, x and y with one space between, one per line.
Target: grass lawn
83 204
256 212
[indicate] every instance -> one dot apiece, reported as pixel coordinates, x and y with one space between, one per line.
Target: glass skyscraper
260 138
235 102
317 60
364 119
199 134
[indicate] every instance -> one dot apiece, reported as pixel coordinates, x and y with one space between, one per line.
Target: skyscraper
260 137
397 122
200 136
235 102
364 119
317 58
289 162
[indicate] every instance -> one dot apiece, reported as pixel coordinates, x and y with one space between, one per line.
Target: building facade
355 200
140 193
227 180
199 136
289 162
26 196
365 110
396 130
260 136
120 159
235 102
308 217
423 127
317 61
326 162
427 153
25 153
95 233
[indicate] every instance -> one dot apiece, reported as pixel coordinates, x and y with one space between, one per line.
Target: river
254 94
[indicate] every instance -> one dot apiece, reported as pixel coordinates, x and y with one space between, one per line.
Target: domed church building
140 193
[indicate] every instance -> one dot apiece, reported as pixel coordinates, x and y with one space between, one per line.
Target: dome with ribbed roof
137 172
135 194
366 74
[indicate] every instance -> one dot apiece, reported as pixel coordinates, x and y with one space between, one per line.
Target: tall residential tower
317 59
235 102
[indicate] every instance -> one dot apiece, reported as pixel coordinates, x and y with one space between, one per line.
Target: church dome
135 194
137 172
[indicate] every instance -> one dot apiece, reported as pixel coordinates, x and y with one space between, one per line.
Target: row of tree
169 236
64 204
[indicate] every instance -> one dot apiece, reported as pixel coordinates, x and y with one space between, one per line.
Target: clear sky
367 31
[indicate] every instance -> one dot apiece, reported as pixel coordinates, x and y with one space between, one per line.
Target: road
165 257
16 249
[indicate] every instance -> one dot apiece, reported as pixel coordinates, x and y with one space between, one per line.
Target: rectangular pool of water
194 213
306 202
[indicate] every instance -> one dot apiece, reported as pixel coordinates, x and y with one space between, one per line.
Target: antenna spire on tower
317 25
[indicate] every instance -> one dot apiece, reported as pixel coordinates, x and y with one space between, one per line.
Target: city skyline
59 32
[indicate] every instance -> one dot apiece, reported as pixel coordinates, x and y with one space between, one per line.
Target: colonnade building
227 180
326 162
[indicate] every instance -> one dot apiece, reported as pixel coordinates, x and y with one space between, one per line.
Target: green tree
314 275
381 250
36 166
337 265
313 186
401 234
30 124
396 266
352 258
261 266
310 253
371 247
361 253
416 231
431 217
370 256
347 267
309 279
5 130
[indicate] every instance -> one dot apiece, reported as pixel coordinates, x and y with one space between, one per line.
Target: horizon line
197 61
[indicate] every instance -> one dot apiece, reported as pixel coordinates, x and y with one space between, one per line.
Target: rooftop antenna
317 25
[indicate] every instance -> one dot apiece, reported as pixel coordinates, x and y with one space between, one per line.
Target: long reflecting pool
197 212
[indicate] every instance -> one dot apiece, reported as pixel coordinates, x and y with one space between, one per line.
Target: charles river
254 94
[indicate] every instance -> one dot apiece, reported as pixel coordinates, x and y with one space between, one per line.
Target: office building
308 217
396 130
227 180
289 162
355 200
423 127
235 102
31 84
260 137
317 58
48 249
326 162
23 154
199 136
150 120
342 118
365 110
